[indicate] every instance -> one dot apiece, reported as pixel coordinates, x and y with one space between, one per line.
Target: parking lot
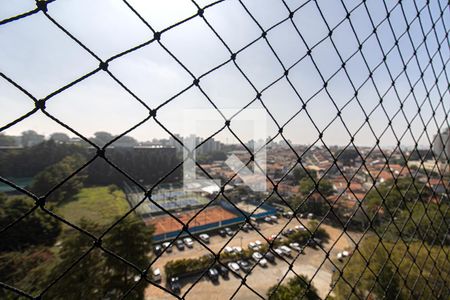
261 278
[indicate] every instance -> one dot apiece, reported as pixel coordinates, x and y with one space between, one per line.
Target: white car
263 262
345 253
252 246
278 251
188 241
256 256
300 228
204 237
237 250
167 246
274 219
339 256
286 250
295 246
156 275
228 250
258 243
234 267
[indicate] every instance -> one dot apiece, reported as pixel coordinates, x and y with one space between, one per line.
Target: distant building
441 143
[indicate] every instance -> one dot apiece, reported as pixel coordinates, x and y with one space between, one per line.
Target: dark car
157 249
270 257
223 271
174 284
288 232
222 233
245 228
213 274
244 265
180 244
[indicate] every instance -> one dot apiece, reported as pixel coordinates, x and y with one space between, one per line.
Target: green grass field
98 204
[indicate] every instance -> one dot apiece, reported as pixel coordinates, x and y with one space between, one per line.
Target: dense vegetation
296 288
37 228
394 271
50 162
312 194
403 208
36 250
30 161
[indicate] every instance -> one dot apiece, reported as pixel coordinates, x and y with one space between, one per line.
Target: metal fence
430 22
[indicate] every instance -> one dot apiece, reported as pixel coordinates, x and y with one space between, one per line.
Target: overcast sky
41 58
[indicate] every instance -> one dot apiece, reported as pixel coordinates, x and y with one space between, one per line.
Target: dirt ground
261 279
166 223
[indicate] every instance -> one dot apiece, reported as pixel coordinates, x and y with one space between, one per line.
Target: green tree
6 140
54 174
299 173
86 280
24 269
38 228
378 277
131 240
99 275
307 186
296 288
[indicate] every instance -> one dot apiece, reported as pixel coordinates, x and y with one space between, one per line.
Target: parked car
272 237
310 215
286 250
257 256
222 233
157 249
244 265
274 219
288 214
245 228
234 267
167 246
222 271
248 226
339 256
268 220
237 250
179 244
252 246
270 257
213 274
229 231
300 228
345 253
258 243
254 225
188 241
262 262
288 232
174 284
228 250
296 247
278 251
204 238
156 275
